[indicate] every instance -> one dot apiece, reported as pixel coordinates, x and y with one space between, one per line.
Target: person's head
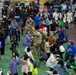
28 33
56 54
55 72
43 22
72 60
58 28
71 43
17 29
28 49
29 73
13 53
51 34
14 57
61 62
31 60
18 1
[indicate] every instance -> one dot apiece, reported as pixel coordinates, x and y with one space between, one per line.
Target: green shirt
61 23
71 64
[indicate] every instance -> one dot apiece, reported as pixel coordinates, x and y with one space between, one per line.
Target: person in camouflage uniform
37 41
44 36
30 25
30 22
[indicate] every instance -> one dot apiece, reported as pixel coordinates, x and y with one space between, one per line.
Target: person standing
37 21
47 48
27 40
52 41
13 66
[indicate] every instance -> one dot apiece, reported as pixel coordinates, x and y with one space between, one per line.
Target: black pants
2 49
54 48
16 74
61 55
48 55
18 38
68 66
67 57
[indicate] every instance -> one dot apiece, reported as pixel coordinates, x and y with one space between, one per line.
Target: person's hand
70 73
8 73
51 45
71 66
57 58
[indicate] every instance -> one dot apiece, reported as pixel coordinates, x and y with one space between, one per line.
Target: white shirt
69 17
49 62
56 15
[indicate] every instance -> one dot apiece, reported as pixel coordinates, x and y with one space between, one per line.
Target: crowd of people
46 31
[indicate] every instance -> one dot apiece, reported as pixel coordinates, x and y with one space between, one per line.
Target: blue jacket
72 50
47 22
2 40
37 21
14 25
27 40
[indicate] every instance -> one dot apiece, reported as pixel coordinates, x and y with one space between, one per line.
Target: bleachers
42 3
57 6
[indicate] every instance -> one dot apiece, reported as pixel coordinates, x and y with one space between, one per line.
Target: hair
46 39
14 56
61 62
28 49
55 72
55 52
26 56
72 60
71 43
29 73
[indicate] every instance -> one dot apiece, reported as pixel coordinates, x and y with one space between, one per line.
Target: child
14 66
17 33
24 66
14 44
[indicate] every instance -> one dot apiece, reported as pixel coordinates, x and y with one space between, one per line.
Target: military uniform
37 41
30 22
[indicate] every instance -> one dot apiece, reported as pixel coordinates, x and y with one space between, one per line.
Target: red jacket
41 26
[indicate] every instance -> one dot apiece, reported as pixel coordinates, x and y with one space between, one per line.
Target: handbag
61 48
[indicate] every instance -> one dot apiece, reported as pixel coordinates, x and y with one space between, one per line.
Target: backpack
35 64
